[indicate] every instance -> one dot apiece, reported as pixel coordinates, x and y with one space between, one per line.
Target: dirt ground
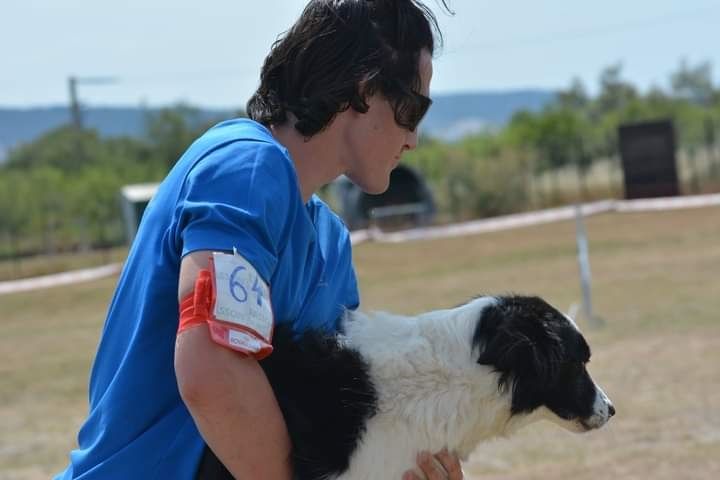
656 284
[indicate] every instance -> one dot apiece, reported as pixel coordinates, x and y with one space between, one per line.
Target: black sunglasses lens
422 108
411 110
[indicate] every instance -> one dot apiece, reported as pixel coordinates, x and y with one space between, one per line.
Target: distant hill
451 117
457 115
24 125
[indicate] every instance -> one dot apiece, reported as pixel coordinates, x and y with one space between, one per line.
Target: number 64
237 287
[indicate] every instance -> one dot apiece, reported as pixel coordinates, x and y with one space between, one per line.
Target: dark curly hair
316 69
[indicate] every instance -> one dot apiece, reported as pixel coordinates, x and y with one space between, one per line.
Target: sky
209 53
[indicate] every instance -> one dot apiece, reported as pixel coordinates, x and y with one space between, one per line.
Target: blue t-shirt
235 187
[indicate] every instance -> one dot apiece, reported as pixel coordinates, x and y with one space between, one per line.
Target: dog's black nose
611 410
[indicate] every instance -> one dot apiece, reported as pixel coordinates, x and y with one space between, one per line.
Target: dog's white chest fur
431 393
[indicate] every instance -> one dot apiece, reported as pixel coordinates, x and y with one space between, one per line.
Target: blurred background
536 106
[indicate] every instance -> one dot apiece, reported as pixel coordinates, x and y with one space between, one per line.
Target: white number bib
242 297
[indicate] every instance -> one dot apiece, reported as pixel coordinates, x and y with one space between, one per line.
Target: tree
95 205
615 93
13 212
47 205
64 148
172 130
693 83
575 97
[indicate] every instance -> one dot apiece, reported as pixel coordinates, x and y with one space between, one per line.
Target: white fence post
584 264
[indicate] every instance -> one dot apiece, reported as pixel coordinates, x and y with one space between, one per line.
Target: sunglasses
410 109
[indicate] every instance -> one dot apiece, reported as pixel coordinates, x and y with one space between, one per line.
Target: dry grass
656 286
47 340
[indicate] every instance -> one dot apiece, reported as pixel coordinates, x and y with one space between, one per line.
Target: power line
579 34
163 77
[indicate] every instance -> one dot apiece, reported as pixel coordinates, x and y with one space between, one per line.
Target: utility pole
73 81
74 104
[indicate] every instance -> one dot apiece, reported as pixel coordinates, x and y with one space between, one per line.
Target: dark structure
648 159
407 202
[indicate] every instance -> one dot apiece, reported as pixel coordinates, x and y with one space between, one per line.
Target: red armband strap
196 306
199 308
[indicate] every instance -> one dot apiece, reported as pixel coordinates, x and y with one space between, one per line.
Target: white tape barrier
668 203
55 280
535 218
359 236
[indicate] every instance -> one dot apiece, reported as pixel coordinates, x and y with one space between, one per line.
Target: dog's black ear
487 327
518 344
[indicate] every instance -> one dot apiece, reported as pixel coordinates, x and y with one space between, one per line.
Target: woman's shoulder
326 220
239 134
240 148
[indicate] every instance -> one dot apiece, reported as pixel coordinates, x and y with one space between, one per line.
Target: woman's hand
441 466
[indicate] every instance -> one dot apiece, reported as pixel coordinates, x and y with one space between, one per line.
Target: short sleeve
243 196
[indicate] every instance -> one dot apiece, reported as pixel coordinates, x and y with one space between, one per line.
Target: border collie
361 404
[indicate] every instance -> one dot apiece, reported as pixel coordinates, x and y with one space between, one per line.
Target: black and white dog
360 405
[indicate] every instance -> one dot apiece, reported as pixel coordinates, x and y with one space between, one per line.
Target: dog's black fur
326 396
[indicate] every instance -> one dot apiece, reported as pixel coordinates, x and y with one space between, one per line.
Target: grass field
656 285
47 264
